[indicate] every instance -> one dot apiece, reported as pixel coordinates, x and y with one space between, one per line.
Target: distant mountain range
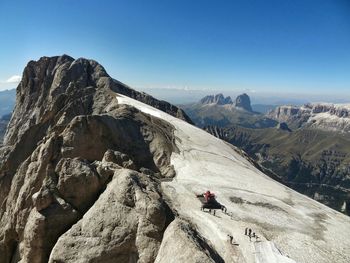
306 147
221 111
323 116
7 101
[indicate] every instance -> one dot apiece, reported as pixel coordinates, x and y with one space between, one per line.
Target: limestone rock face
243 101
79 173
125 224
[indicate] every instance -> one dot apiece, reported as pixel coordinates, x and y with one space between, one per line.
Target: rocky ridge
77 166
323 116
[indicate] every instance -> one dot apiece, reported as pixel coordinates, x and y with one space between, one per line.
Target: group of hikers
248 232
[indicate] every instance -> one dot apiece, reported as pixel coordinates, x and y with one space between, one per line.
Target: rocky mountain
94 171
67 139
218 99
323 116
313 162
218 110
243 102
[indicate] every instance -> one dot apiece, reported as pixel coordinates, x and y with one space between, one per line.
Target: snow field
302 229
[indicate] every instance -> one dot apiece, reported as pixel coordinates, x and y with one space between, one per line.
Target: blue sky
266 46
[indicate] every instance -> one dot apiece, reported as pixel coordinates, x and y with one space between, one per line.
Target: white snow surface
291 226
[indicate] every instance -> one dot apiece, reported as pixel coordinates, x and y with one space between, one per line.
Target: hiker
224 209
246 231
231 238
250 234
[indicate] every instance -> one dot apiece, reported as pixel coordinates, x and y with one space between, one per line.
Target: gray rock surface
125 224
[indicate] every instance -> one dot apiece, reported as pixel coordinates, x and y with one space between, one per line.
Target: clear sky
291 46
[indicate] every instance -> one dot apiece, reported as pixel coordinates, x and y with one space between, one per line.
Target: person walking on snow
231 238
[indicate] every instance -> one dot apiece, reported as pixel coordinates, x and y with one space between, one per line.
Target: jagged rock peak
218 99
243 101
51 85
75 155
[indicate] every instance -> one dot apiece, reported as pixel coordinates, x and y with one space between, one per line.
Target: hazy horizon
184 96
299 47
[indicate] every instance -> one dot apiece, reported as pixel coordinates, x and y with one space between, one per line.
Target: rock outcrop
243 101
125 224
79 173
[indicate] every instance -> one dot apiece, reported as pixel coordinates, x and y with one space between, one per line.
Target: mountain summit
218 99
68 142
217 110
94 171
243 101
